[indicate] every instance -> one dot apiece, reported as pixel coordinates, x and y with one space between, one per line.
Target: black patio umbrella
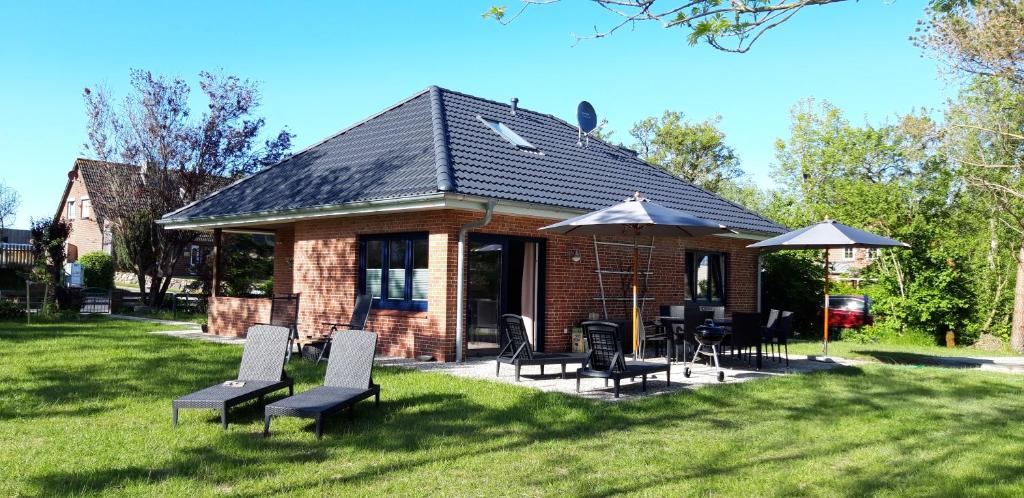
826 235
634 217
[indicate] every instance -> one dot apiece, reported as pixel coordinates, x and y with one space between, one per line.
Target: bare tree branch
742 22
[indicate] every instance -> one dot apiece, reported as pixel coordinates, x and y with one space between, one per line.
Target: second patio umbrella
826 235
634 217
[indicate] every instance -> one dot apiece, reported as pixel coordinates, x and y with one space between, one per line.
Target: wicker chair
605 358
260 373
348 381
518 351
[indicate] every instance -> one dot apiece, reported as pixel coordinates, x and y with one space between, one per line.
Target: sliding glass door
505 276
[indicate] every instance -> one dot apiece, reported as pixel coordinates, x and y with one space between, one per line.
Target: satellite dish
586 117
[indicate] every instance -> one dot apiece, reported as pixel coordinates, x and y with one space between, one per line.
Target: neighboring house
379 208
85 196
18 236
15 248
846 263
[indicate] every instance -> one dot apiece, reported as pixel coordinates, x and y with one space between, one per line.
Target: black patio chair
284 311
746 332
652 334
348 381
518 351
605 359
673 327
360 314
261 372
777 335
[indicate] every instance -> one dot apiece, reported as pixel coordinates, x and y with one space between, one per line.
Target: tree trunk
142 284
1017 326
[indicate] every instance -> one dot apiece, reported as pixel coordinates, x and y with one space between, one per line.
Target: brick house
846 263
83 205
445 184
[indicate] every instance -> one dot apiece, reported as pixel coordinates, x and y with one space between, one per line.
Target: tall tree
10 200
181 158
893 180
985 39
695 152
728 26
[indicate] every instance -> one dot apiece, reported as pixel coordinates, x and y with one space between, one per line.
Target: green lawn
889 353
85 409
197 318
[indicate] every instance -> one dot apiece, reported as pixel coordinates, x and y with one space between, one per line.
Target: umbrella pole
826 303
636 256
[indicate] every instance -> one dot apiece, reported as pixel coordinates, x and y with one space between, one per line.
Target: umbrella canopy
638 216
634 217
827 234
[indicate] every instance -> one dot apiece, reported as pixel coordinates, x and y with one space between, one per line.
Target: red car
849 311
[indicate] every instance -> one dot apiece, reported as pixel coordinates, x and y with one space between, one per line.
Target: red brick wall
321 263
232 316
284 251
325 272
86 235
571 287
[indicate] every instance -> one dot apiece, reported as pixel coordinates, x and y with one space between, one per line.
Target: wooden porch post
218 237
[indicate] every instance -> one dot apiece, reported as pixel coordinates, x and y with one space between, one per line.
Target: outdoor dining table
725 324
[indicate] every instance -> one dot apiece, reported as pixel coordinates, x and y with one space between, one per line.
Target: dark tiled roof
97 176
435 142
16 236
389 155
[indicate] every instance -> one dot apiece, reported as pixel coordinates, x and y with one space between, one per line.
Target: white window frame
848 253
71 210
195 255
86 208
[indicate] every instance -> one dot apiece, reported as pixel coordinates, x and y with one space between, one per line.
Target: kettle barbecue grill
709 340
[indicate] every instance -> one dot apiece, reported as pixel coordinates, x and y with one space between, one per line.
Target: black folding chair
360 314
518 352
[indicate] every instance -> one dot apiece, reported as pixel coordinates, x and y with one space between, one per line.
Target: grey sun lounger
519 353
261 372
347 382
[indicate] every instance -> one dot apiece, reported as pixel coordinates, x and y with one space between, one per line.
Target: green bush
11 309
97 270
794 281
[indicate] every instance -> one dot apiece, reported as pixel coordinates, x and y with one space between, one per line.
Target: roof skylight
507 133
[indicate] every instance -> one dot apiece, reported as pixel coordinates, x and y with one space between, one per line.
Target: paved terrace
735 371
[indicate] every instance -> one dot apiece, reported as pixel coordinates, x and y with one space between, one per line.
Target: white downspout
460 283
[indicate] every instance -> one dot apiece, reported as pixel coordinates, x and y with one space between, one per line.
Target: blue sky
325 65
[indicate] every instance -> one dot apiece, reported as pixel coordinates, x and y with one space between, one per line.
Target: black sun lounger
606 361
519 353
347 382
261 373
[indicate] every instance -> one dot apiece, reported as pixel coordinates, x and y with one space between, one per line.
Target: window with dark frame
706 277
394 270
